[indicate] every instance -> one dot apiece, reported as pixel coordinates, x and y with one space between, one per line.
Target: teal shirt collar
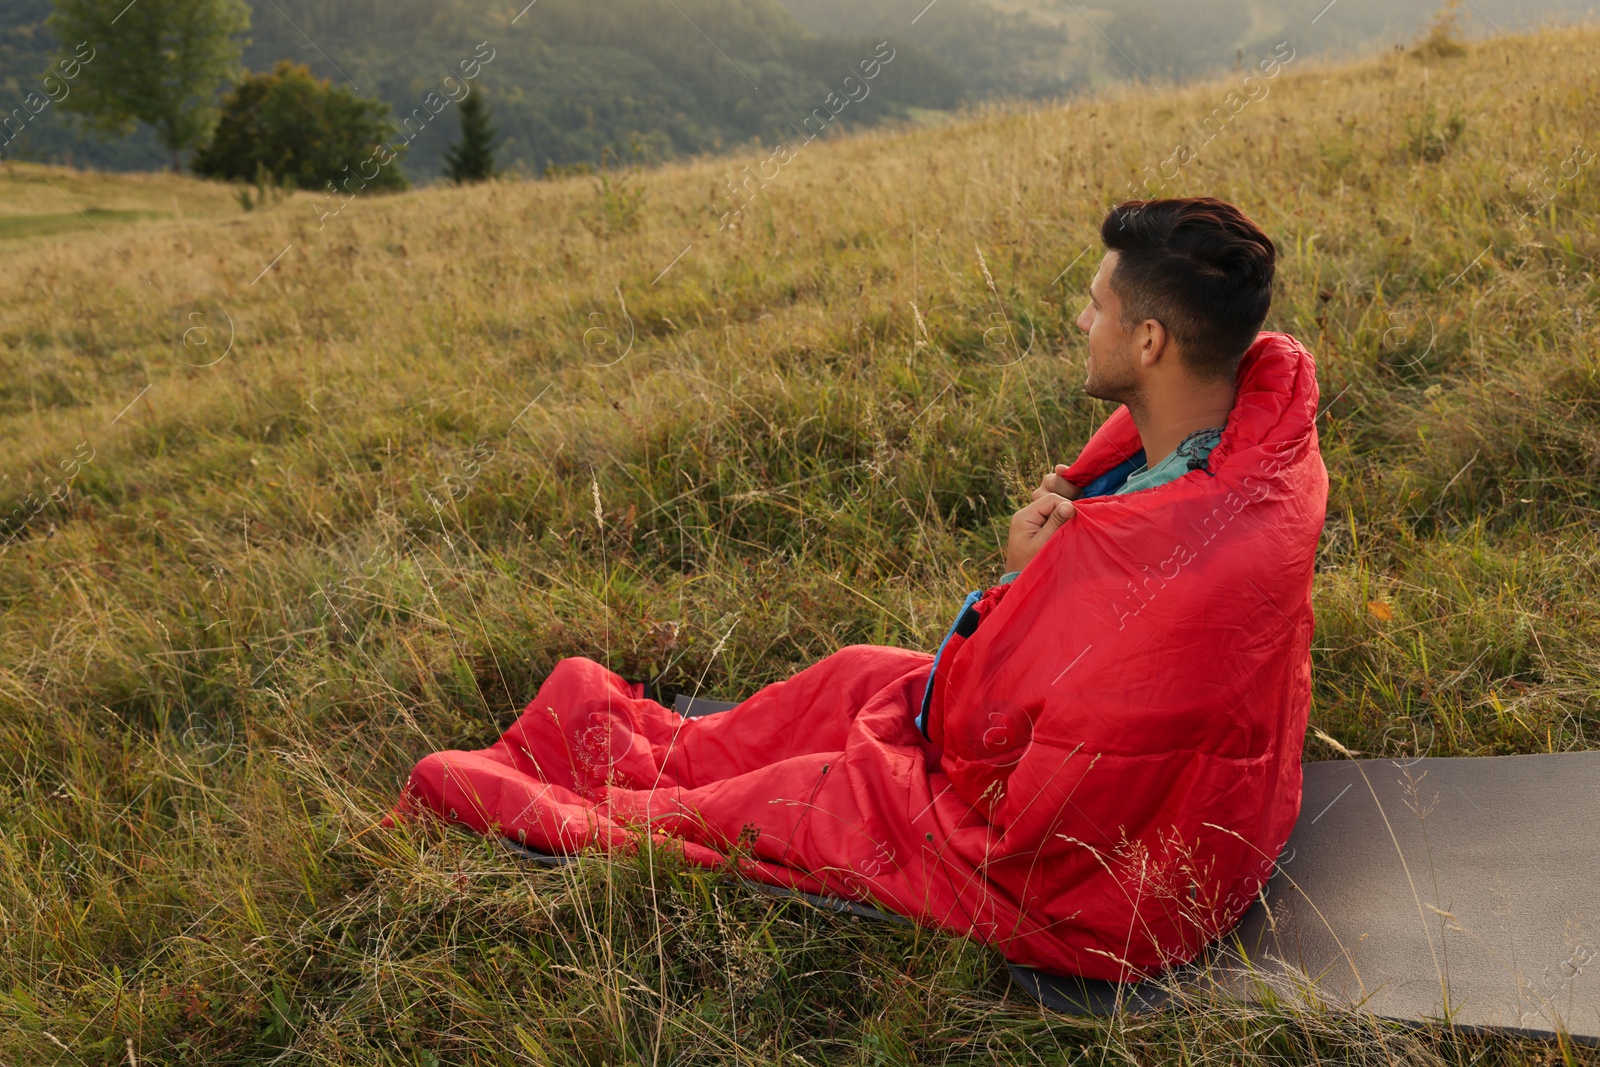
1191 454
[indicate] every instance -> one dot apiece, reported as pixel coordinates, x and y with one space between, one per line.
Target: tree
302 132
472 158
155 61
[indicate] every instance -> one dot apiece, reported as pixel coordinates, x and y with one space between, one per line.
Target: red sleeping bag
1113 754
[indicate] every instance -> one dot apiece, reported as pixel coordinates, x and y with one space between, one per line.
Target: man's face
1111 364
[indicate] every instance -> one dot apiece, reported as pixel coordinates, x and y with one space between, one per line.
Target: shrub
301 131
619 198
1443 37
1431 140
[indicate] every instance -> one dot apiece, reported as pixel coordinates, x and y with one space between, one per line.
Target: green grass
12 226
289 568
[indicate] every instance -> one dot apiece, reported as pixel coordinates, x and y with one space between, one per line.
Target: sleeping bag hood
1111 762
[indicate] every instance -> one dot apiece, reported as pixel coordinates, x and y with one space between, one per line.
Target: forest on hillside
567 80
650 80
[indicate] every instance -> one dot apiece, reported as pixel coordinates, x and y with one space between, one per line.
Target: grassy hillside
283 570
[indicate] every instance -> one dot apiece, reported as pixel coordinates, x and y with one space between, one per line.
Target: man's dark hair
1199 267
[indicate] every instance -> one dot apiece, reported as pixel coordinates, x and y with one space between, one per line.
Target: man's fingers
1064 487
1050 508
1033 526
1060 513
1054 483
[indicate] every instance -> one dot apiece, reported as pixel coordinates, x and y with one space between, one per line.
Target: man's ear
1153 342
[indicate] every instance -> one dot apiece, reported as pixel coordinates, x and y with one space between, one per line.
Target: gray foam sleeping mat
1451 891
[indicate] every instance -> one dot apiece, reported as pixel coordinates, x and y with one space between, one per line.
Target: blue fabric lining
1112 480
927 692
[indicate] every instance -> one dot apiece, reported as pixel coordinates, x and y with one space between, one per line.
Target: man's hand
1032 526
1056 483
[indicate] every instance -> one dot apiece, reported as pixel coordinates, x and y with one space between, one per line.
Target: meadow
296 495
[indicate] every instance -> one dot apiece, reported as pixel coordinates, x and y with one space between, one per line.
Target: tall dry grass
289 568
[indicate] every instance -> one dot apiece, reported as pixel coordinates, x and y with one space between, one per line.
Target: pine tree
472 158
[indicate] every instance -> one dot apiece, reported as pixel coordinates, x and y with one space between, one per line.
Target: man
1181 292
1183 289
1097 769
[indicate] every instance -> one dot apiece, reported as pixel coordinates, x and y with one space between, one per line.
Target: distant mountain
648 79
1047 47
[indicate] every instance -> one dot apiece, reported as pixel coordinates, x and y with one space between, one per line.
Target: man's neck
1161 431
